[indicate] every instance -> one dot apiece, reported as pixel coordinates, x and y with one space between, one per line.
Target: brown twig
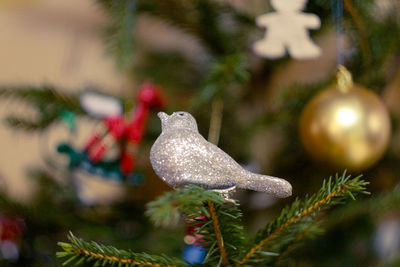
121 260
291 221
217 231
213 137
215 121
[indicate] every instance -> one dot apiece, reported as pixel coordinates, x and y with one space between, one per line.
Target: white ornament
100 106
287 29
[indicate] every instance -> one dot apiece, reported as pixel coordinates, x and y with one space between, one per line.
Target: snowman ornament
287 29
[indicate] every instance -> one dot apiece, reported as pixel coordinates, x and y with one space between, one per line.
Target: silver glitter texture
180 156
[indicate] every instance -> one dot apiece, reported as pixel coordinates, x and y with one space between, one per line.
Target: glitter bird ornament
180 156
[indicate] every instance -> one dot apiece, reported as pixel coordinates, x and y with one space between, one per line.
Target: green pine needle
79 251
301 213
49 103
119 33
218 224
192 202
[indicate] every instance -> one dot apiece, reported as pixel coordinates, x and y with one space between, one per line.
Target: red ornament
190 237
92 141
150 95
10 228
116 126
127 163
128 132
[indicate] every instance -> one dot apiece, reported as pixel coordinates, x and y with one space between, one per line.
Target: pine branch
161 67
119 33
231 232
309 231
28 125
361 31
379 38
42 95
49 102
199 18
289 248
381 204
79 251
332 193
217 224
224 73
164 211
222 235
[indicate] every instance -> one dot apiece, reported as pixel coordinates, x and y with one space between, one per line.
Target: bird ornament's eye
181 114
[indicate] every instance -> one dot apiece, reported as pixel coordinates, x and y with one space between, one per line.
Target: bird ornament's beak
163 116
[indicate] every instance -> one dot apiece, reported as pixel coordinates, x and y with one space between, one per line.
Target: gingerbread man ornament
287 30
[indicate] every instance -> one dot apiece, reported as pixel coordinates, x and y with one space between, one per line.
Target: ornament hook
344 79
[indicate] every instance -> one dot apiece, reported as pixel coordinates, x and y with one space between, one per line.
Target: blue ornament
194 254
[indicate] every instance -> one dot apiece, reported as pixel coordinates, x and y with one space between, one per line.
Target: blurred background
81 82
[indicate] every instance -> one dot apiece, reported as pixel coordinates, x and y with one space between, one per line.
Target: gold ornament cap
344 79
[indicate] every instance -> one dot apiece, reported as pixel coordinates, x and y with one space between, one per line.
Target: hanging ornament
194 252
180 156
345 126
110 152
11 230
100 106
287 29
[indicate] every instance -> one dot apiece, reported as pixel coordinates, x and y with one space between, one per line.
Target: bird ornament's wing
211 166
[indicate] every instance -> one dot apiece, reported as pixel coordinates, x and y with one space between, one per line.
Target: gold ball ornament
345 126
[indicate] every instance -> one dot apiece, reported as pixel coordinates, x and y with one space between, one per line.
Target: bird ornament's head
177 120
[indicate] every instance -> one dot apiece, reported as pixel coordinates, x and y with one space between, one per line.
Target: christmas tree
262 81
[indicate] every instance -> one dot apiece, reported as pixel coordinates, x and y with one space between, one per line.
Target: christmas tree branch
331 193
41 95
49 102
309 231
187 200
362 34
119 33
27 125
293 219
202 23
383 203
217 231
291 247
224 73
80 251
222 235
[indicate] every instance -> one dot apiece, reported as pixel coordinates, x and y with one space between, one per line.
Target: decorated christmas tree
245 93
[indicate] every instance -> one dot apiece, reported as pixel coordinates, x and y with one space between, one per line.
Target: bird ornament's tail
268 184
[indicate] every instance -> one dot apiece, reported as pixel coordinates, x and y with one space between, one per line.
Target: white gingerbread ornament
287 29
